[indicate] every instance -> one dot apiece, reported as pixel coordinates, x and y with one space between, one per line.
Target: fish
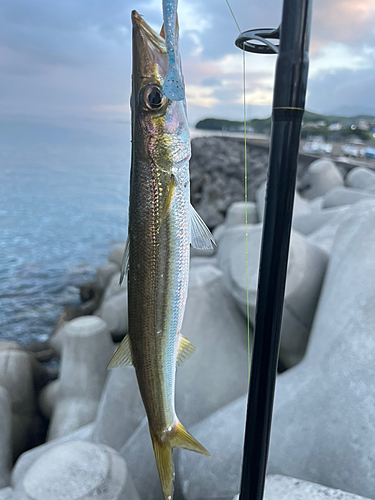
162 225
173 86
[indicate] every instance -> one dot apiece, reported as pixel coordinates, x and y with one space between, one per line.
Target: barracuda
162 224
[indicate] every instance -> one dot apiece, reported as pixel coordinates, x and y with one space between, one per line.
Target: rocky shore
217 174
71 430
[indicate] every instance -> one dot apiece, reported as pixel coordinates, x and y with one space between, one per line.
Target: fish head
160 132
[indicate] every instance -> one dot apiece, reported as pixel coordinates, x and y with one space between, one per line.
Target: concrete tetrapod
278 487
322 175
117 254
30 456
325 235
7 494
316 204
120 410
114 287
114 311
5 437
360 178
87 350
203 261
16 376
305 273
217 329
57 340
229 239
77 471
47 398
343 196
222 433
104 273
236 213
218 232
235 218
309 223
322 429
215 375
301 206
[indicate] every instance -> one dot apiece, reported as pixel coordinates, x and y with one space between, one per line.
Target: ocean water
63 204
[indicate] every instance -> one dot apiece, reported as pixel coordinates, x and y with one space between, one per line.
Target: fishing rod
287 112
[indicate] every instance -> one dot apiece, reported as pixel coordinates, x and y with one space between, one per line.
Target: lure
173 86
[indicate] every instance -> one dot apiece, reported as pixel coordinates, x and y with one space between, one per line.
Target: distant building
364 125
314 125
335 126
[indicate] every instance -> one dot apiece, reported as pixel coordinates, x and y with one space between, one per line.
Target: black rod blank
288 108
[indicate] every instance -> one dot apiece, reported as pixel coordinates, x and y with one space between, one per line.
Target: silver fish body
162 224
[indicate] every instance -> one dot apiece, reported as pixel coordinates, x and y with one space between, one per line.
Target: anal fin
123 354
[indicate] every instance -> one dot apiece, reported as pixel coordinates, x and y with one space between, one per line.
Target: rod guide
249 40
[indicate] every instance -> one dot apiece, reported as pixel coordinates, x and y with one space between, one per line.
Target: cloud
198 95
73 58
212 81
343 92
344 21
337 56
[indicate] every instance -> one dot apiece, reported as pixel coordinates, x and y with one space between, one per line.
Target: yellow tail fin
177 437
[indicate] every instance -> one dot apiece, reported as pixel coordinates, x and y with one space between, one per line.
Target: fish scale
162 224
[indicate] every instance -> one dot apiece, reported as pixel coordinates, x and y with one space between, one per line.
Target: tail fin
182 439
177 437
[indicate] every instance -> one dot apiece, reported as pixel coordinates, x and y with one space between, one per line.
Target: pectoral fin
167 198
125 261
123 355
201 237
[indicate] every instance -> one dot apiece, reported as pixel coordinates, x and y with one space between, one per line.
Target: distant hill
264 125
352 111
218 124
258 125
345 120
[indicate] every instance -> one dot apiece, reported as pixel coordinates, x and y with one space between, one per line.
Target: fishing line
234 17
245 165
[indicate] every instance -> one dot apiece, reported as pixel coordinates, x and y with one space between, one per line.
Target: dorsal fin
185 350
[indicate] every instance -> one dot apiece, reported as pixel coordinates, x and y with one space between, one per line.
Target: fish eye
153 98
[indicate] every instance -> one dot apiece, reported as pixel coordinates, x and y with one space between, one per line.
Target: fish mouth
152 37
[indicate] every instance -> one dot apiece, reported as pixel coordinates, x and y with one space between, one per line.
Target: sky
70 62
